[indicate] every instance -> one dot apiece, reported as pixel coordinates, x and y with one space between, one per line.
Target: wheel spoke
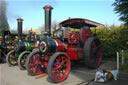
36 69
58 74
34 57
58 61
55 71
63 61
56 67
39 68
31 62
31 66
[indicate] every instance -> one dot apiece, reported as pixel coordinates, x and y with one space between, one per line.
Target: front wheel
93 52
22 59
34 63
11 58
58 67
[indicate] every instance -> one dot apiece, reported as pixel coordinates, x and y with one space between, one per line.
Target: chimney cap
47 7
19 20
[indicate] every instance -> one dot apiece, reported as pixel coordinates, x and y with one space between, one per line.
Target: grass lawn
124 68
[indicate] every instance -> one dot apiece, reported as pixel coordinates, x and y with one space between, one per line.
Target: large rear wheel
22 59
58 67
11 58
34 64
93 52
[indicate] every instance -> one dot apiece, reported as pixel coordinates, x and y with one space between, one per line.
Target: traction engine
7 44
27 45
58 51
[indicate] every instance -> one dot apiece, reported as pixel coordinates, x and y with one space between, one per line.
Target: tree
121 7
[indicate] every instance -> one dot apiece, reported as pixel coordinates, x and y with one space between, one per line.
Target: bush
113 39
125 55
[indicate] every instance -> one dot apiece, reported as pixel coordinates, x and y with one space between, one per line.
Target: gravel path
79 73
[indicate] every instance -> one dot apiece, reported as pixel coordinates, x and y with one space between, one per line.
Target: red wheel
58 67
34 65
93 52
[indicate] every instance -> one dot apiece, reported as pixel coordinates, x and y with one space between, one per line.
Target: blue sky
31 11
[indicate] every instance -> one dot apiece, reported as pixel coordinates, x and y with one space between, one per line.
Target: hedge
113 39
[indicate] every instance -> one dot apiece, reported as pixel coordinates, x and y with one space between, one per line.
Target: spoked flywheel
11 58
22 59
34 64
93 52
58 67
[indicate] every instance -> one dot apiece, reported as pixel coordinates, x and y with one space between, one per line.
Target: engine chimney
47 10
19 22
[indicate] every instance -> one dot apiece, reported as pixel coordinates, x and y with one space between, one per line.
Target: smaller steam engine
65 46
7 44
25 46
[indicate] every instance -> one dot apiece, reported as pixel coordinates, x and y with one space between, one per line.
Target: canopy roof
79 22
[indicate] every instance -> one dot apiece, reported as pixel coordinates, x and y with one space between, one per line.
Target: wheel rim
23 60
60 68
35 64
96 53
12 59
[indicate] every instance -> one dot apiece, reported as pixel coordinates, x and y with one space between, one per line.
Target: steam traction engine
21 45
30 45
7 44
57 52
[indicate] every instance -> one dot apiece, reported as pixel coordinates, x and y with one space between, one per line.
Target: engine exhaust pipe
47 10
19 23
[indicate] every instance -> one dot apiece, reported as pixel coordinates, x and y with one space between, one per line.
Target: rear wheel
93 52
34 64
58 67
22 59
11 58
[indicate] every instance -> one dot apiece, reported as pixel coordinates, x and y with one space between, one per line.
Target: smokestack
19 22
47 10
3 17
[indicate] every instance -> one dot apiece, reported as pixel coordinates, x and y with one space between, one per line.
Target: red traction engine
57 52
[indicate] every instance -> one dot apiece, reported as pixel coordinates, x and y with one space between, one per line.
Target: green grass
124 68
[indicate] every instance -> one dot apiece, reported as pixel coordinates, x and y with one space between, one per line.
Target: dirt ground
79 75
